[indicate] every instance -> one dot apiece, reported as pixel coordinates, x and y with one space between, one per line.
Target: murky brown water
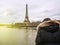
11 36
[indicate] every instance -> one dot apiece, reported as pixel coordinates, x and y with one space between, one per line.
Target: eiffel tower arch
26 20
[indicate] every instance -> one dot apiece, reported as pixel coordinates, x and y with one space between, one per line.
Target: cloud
14 10
57 17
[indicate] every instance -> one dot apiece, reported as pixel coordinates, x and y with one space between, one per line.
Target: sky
12 11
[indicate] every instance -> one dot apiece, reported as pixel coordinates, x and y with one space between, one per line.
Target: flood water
12 36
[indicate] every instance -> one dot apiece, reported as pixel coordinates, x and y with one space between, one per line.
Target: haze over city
12 11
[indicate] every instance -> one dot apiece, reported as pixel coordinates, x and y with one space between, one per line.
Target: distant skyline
12 11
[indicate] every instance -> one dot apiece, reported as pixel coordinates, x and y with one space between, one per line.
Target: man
48 33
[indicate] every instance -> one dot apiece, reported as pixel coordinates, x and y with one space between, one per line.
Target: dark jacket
48 34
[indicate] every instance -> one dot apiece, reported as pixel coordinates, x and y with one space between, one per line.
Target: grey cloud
38 9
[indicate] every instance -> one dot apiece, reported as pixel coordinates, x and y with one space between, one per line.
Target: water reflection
9 36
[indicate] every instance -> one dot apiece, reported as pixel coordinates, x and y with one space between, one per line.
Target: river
12 36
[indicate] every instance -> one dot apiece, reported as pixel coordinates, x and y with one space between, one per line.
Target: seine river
12 36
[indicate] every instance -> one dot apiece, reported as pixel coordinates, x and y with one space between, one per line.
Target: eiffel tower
26 16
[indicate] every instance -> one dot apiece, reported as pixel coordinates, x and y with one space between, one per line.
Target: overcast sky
12 11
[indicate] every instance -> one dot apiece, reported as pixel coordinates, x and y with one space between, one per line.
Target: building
26 21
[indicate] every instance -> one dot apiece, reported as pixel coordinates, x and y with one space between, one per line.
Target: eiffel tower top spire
26 16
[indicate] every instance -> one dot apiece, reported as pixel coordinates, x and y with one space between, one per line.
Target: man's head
46 19
49 25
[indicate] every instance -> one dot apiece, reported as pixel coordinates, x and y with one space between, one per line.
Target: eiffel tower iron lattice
26 16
